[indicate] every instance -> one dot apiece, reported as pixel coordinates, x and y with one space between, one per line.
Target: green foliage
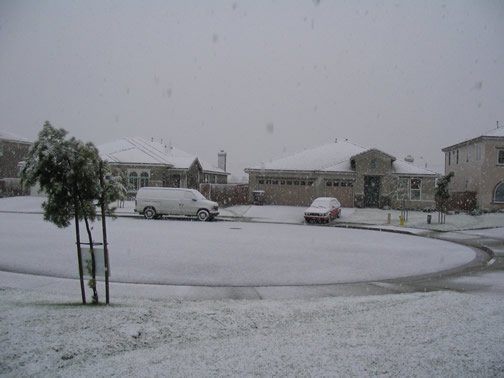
442 194
67 170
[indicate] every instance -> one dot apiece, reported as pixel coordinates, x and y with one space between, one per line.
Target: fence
226 194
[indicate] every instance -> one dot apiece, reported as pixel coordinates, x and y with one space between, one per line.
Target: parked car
156 202
323 209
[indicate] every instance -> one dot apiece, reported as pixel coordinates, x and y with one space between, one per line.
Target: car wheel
150 213
203 215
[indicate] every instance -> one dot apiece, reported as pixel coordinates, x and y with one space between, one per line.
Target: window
409 189
449 158
501 157
137 179
499 193
457 156
144 179
478 151
415 189
133 181
402 189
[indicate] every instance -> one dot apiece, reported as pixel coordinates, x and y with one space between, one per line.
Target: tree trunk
103 206
93 262
79 256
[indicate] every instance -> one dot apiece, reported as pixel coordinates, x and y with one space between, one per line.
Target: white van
156 202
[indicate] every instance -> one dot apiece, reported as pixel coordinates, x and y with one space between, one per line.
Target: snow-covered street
344 329
181 252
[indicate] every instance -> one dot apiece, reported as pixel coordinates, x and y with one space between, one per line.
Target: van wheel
149 213
203 215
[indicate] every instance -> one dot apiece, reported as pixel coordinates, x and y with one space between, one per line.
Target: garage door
342 190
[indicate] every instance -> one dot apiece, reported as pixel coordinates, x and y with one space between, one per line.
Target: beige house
478 165
142 162
356 176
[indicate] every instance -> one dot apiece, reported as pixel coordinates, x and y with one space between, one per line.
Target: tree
71 173
442 196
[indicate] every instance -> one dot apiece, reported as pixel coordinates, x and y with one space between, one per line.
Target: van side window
188 195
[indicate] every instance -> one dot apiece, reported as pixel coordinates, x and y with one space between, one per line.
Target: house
478 167
141 162
357 176
13 150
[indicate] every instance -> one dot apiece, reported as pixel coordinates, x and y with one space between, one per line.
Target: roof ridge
142 145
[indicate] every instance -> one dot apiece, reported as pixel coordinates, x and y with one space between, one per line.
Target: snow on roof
335 157
402 167
316 159
494 133
12 137
149 152
498 132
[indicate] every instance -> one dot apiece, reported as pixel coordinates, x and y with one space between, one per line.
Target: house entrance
372 191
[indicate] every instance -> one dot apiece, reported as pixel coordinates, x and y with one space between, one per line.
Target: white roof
334 157
12 137
498 132
494 133
149 152
401 167
326 157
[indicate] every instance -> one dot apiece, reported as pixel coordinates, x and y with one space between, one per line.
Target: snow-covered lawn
423 334
44 331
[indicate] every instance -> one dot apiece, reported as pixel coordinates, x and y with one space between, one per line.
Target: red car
323 209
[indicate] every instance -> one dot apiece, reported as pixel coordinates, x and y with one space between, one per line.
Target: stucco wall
477 170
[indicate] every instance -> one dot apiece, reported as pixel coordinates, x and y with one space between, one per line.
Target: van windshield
199 196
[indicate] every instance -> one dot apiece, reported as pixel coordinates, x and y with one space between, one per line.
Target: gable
374 153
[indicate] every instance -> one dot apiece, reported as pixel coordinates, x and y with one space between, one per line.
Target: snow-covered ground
180 252
294 214
433 333
442 334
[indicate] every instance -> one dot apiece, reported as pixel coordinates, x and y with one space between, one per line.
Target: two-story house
478 166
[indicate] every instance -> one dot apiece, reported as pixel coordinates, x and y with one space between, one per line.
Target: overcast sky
260 79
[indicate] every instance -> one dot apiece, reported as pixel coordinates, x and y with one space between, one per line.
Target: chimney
221 160
409 159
